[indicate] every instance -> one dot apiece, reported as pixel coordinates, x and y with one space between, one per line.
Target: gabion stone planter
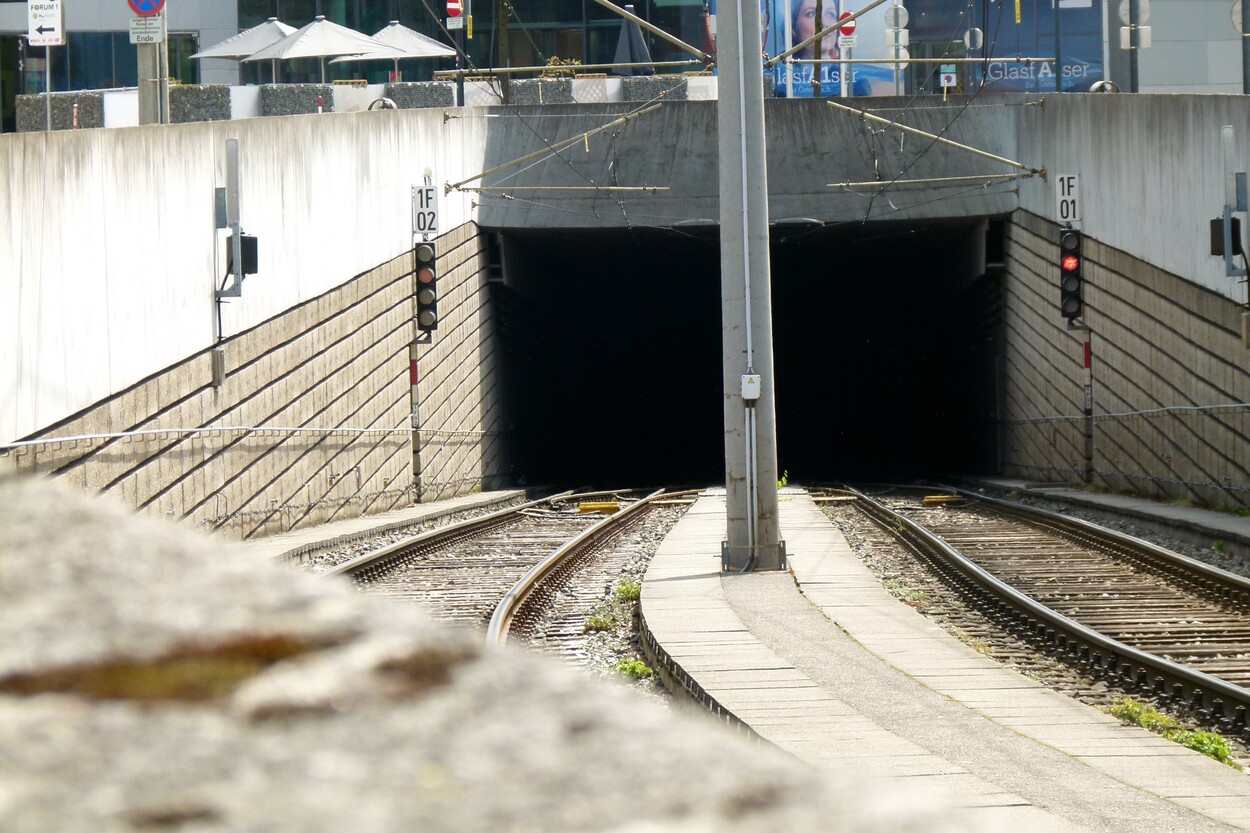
542 91
32 111
647 87
414 95
295 99
199 102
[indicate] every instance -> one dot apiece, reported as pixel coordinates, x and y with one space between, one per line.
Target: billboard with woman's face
937 29
791 22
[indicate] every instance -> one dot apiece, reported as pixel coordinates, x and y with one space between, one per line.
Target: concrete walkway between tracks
827 665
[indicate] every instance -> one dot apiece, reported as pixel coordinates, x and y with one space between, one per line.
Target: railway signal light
427 290
1070 265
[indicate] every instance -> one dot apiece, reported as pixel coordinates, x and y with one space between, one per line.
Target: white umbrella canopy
631 48
248 42
413 43
321 39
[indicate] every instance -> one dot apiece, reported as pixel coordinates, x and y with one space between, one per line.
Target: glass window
105 60
181 67
293 12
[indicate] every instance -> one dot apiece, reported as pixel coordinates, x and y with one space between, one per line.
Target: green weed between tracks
635 669
628 591
617 610
1208 743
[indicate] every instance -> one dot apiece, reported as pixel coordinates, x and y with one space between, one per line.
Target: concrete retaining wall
1167 355
312 419
115 258
112 259
1151 168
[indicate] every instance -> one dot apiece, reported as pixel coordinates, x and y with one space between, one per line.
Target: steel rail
435 536
510 604
1235 584
1111 657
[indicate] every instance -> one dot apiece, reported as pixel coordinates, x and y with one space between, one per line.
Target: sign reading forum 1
146 8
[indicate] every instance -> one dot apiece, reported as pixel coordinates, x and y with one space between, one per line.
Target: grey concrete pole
752 534
163 66
149 58
1245 51
1134 39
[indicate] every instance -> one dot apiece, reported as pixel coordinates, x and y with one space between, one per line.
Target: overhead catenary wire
657 31
829 30
937 180
672 221
554 149
651 189
915 131
911 102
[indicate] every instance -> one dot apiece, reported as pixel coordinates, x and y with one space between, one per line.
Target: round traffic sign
146 8
896 17
847 28
455 8
1143 12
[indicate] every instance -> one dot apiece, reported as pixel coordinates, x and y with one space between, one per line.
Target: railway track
1139 616
535 563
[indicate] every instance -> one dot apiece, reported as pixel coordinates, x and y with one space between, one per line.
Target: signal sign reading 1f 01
1068 198
47 23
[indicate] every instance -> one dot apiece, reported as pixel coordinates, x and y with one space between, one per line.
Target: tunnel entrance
885 346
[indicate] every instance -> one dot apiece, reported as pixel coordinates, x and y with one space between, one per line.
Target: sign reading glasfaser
47 27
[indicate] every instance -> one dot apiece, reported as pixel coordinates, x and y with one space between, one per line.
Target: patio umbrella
321 39
249 41
632 49
414 44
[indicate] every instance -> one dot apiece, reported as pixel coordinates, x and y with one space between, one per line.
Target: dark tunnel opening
885 344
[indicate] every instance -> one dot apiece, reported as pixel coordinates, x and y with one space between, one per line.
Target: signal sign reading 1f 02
47 23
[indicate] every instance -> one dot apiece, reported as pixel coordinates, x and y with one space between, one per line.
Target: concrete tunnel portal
886 343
